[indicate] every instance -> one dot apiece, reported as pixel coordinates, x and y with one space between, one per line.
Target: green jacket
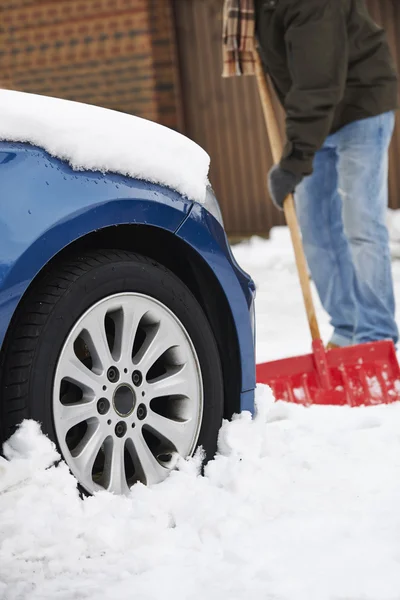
330 65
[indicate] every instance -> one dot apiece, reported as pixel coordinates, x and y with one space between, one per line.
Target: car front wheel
115 358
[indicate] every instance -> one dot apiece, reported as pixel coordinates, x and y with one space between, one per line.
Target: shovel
363 374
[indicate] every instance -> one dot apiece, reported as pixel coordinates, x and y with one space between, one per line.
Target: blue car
126 326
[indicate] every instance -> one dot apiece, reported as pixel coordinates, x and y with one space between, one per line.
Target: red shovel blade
362 375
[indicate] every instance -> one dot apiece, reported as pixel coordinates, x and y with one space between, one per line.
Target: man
332 71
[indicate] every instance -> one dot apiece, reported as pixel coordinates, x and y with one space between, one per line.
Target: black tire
58 299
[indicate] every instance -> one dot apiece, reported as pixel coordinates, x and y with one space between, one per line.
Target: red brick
82 18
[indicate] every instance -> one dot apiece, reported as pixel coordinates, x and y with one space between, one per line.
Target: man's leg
363 184
319 209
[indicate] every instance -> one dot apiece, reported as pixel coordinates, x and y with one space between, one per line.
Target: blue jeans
342 211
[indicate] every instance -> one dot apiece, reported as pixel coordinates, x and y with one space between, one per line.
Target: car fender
47 206
201 231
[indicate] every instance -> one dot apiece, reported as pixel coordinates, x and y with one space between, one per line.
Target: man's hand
281 183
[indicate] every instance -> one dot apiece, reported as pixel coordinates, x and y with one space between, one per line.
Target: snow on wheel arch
98 139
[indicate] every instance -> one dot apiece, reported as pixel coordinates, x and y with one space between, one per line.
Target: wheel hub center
124 400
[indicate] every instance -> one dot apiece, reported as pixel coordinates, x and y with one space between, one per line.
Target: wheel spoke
145 462
76 372
160 343
99 348
176 384
173 431
72 414
126 335
115 467
87 452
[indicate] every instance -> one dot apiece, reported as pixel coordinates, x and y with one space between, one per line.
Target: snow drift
299 504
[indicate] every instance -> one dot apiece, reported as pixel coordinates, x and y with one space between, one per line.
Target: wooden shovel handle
288 206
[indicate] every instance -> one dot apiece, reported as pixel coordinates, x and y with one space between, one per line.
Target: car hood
98 139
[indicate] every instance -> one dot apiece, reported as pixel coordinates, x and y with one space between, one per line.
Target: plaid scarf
238 38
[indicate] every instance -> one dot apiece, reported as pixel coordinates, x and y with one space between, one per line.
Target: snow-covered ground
299 504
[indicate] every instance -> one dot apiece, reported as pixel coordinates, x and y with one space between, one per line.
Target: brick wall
114 53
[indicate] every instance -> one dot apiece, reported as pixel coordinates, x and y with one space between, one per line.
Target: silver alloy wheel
127 396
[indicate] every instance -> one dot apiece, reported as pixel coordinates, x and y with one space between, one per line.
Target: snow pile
299 504
29 451
98 139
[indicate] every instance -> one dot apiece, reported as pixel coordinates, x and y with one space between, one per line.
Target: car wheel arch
174 253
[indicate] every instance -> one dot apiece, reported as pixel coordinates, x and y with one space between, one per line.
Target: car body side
48 209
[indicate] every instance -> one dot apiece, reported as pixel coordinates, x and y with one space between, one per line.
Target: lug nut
103 406
120 429
137 378
113 374
141 412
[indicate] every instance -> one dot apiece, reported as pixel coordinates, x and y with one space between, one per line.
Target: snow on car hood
98 139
